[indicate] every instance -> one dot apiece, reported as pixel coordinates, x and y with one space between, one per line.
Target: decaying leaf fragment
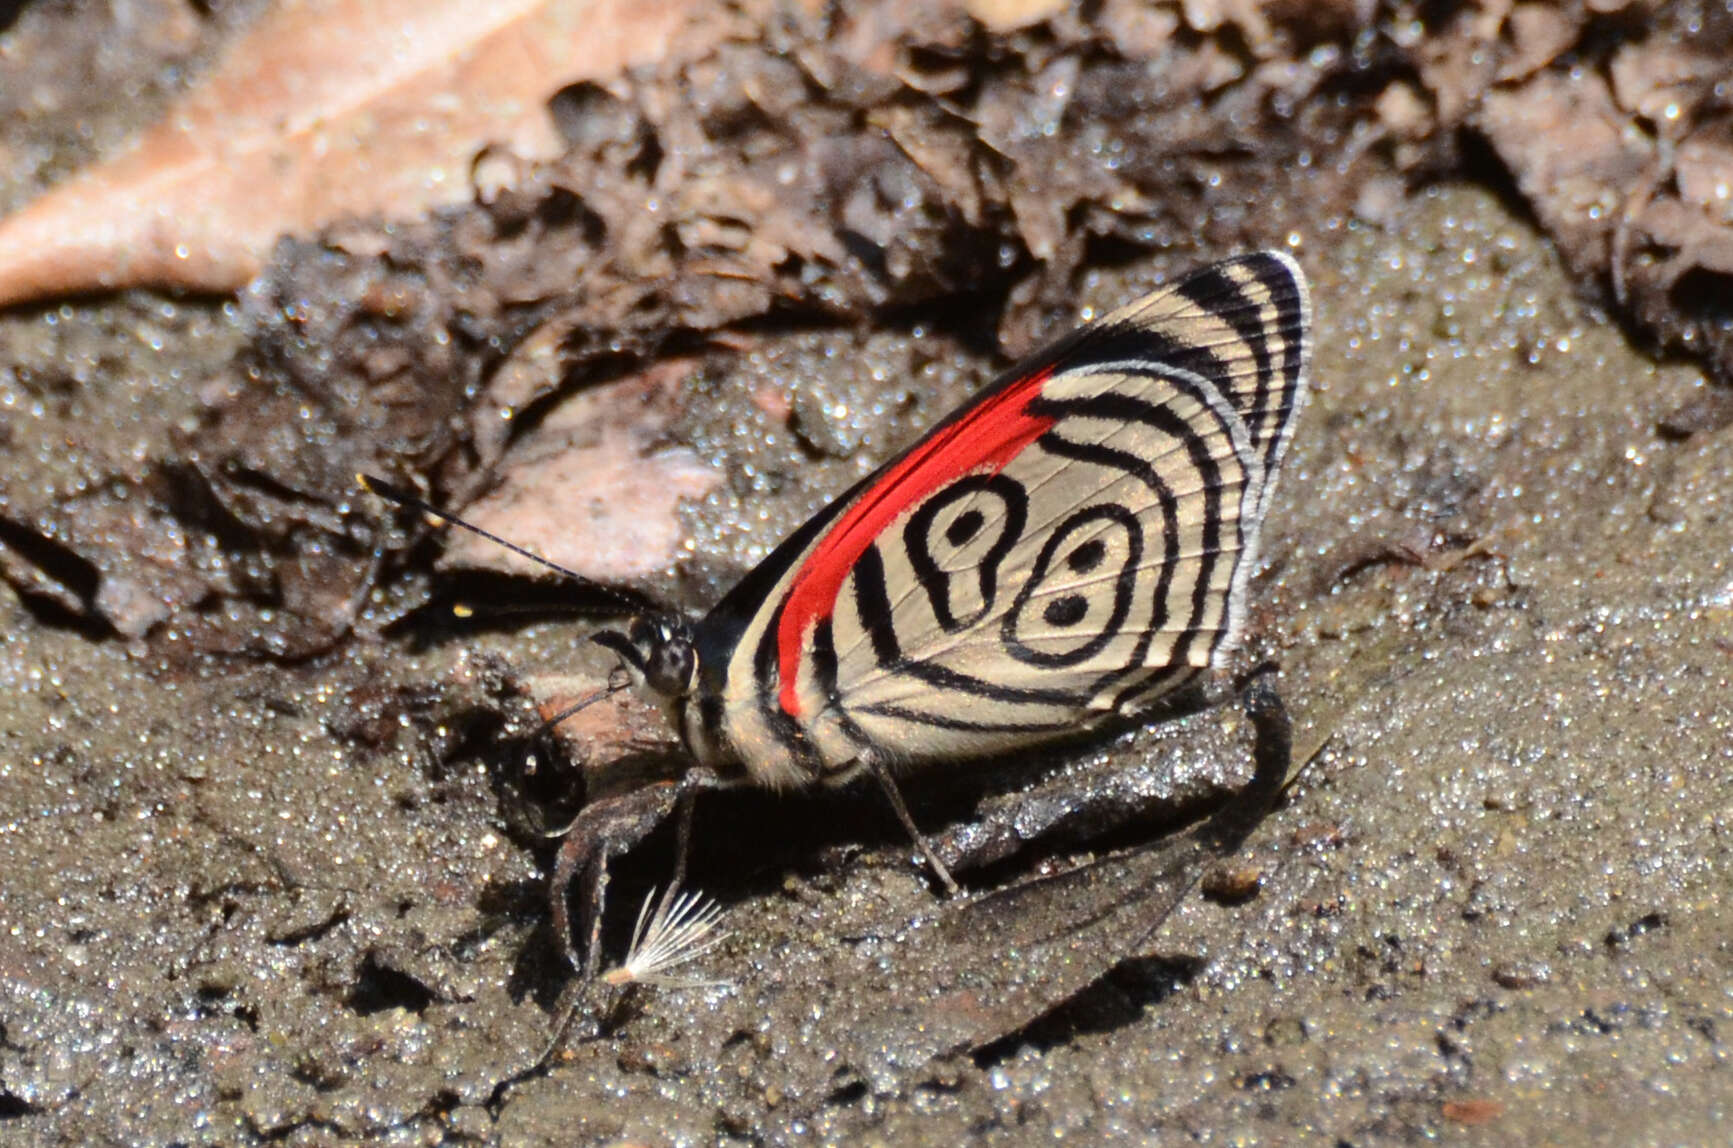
325 109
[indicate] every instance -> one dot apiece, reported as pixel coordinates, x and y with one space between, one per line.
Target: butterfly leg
692 782
886 782
601 831
1273 751
1060 812
605 830
1272 758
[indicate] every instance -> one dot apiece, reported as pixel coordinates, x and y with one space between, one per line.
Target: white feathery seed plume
682 929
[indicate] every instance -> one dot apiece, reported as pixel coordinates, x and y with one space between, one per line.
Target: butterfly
1069 546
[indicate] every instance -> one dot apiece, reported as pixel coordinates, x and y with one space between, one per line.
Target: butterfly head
656 649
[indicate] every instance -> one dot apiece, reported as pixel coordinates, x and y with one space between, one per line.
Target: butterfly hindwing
1072 543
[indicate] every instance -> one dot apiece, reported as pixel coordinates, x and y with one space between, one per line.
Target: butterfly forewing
1072 543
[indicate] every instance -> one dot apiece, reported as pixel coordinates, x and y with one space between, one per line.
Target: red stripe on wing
984 440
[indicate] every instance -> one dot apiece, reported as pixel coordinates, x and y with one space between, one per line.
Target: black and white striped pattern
1026 592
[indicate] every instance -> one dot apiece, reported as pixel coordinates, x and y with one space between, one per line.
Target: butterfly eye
668 669
658 651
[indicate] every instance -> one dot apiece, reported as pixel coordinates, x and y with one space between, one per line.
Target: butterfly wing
1072 543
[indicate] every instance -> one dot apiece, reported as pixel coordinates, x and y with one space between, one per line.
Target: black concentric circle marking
1077 618
1210 477
964 532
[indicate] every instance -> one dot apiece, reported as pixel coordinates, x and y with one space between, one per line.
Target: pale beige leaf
325 109
593 488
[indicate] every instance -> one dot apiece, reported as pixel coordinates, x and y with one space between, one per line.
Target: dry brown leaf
1703 169
1472 1111
1206 16
1138 30
1539 34
325 109
1010 15
1661 79
1697 237
592 488
1567 145
1459 64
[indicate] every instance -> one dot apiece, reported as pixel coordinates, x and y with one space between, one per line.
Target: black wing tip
1266 258
1278 272
1276 276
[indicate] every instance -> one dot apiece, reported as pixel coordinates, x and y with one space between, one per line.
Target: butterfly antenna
379 488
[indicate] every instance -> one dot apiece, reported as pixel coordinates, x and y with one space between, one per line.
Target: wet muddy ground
248 898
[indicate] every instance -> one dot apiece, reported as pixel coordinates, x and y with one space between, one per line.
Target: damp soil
301 900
